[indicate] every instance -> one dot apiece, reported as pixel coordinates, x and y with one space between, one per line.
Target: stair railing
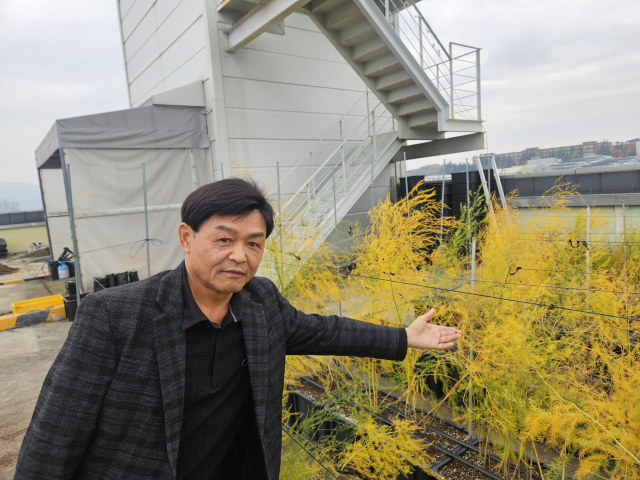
456 75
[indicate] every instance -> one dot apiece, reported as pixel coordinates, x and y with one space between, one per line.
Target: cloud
553 72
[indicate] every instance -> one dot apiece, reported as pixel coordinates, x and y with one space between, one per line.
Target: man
180 376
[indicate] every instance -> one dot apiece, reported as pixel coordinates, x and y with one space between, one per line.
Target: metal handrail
323 139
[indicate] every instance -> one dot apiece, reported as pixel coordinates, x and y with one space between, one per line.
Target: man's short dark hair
232 196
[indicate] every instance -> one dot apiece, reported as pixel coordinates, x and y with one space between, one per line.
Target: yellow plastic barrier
37 304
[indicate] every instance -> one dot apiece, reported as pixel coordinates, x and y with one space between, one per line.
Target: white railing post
386 9
478 83
344 169
368 119
451 78
421 52
313 178
375 144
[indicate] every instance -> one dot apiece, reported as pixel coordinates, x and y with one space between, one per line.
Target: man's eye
225 240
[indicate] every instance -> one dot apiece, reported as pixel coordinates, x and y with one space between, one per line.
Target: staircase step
356 33
394 80
324 6
381 66
343 16
423 119
369 50
404 94
414 106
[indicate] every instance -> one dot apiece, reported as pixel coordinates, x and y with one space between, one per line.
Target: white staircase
423 91
429 90
317 192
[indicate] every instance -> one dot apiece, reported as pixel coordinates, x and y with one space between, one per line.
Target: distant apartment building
567 153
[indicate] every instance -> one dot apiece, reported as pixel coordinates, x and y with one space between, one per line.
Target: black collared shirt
219 432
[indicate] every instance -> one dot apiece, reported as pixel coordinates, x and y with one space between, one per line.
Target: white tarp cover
155 126
56 212
108 203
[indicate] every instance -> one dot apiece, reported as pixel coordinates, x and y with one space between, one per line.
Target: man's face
226 251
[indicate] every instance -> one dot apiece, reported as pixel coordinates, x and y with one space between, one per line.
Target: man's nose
238 254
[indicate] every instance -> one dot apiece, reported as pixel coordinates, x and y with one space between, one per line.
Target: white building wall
165 45
282 95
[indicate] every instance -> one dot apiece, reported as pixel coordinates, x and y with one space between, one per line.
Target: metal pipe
375 143
406 188
222 170
386 9
335 220
473 282
194 172
421 49
344 169
444 173
468 204
451 79
313 178
66 172
478 84
146 217
279 209
373 202
624 240
587 254
368 119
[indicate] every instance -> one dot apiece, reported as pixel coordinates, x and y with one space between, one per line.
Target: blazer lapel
170 342
256 342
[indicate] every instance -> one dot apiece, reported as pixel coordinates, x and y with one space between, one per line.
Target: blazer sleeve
334 335
71 397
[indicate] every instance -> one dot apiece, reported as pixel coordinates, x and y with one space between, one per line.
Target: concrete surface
26 356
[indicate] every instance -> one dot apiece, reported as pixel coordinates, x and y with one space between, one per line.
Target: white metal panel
243 93
266 124
268 152
301 43
274 67
159 77
163 37
135 15
125 6
162 12
168 52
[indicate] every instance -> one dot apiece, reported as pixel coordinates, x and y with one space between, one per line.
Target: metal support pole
472 286
146 217
309 204
66 172
368 119
421 49
444 172
386 9
194 172
587 254
406 188
344 169
375 143
451 79
279 210
624 240
222 170
335 221
479 100
468 204
373 202
313 178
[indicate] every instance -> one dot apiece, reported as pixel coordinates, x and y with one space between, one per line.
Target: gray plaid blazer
111 405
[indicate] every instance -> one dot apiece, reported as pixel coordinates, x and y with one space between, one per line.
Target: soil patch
457 470
41 252
314 392
6 270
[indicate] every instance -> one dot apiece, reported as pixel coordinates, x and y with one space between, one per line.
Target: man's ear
186 235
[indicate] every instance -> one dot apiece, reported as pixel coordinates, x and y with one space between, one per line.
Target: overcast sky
554 72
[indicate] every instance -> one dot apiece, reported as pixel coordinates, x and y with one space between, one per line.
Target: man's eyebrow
226 229
257 234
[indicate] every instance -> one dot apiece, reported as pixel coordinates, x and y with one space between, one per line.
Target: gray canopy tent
96 204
